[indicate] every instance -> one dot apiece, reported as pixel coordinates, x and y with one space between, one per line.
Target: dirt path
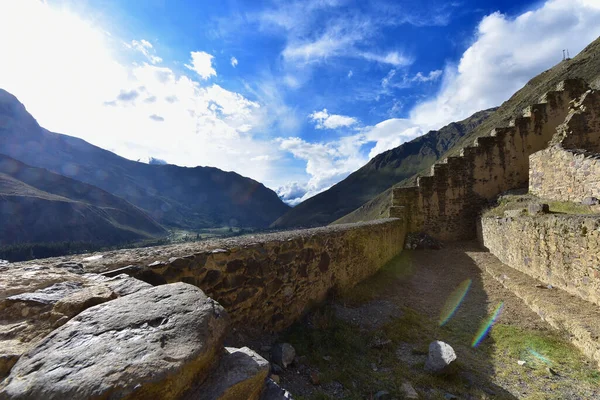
375 338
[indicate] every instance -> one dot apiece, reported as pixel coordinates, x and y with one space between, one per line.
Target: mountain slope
175 196
380 173
39 206
585 65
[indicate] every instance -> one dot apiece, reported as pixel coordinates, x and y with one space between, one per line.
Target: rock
241 374
283 354
150 344
590 201
75 303
273 391
513 213
450 396
440 356
32 314
538 209
409 391
275 378
70 266
382 395
421 241
521 362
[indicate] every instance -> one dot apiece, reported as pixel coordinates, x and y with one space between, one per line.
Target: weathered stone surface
266 282
560 250
273 391
513 213
590 201
25 318
440 356
150 344
409 391
538 208
241 375
283 354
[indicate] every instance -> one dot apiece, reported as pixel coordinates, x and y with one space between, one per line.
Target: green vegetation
520 202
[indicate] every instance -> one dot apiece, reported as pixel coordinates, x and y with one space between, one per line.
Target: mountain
174 196
378 174
585 65
40 206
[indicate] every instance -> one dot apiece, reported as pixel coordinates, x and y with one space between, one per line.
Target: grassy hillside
39 206
585 65
379 174
187 198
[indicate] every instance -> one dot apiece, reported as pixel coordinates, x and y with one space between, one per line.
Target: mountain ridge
188 198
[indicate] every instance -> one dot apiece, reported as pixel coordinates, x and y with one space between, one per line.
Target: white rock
440 356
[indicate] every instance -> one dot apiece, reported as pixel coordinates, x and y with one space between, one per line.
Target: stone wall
560 250
569 170
265 282
564 175
446 204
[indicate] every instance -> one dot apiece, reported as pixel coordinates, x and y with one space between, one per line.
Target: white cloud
407 81
234 62
324 120
505 54
393 58
390 133
135 110
146 48
326 163
202 64
350 73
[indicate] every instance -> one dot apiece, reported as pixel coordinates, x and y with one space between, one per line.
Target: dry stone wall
560 250
264 281
569 170
564 175
446 204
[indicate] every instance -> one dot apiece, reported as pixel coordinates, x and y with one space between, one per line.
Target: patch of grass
566 207
540 350
517 202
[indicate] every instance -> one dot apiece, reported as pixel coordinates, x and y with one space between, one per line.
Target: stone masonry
446 204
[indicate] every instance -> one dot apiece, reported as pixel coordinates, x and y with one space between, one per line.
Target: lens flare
539 356
454 301
487 325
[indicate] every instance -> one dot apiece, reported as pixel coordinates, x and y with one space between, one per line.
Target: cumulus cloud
203 124
324 120
146 48
201 63
326 163
505 54
292 193
234 62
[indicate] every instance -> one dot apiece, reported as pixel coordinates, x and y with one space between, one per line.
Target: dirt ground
372 341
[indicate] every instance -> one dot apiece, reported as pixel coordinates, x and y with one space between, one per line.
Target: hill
585 65
377 175
39 206
188 198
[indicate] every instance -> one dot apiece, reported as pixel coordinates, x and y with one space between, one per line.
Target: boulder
283 354
440 356
590 201
44 304
538 209
151 344
241 374
409 391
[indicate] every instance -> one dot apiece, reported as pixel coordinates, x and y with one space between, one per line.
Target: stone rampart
569 170
560 250
265 282
446 203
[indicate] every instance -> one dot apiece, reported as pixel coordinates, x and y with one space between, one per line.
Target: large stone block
152 344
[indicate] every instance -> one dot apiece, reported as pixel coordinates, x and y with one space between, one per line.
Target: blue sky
295 94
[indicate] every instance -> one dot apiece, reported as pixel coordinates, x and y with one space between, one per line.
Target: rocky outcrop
151 344
241 375
36 300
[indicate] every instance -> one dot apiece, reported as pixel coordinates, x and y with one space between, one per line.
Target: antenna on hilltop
568 56
564 55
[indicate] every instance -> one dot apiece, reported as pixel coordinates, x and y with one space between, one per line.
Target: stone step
563 311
